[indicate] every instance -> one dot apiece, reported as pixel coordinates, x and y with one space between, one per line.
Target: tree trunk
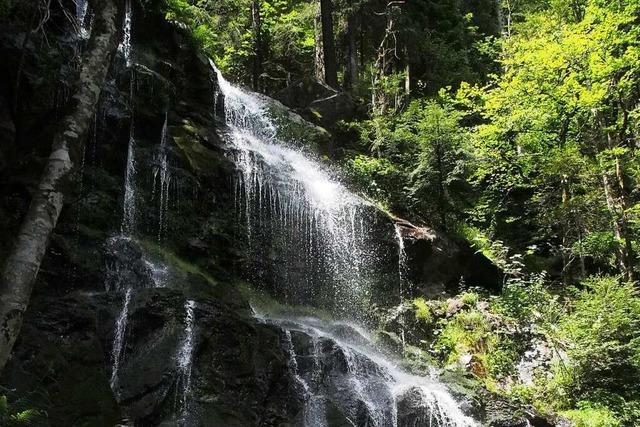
23 263
351 63
319 58
258 48
564 185
328 44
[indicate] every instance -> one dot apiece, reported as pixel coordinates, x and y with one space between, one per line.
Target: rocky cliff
162 306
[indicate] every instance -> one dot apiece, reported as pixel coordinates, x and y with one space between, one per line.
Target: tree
327 67
258 44
23 263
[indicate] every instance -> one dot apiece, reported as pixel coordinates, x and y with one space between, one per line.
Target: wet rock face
126 266
237 369
60 361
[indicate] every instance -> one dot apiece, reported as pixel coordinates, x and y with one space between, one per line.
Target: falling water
318 229
366 386
81 18
161 174
125 44
128 225
185 357
119 338
129 203
402 263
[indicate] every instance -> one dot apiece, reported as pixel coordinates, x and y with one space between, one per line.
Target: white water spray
161 174
125 44
119 339
185 357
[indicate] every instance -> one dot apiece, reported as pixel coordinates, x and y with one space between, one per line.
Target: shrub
603 336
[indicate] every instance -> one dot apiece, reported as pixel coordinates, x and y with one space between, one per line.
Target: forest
296 196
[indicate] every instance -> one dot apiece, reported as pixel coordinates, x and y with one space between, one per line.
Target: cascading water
185 358
119 339
317 228
162 177
128 226
337 364
81 17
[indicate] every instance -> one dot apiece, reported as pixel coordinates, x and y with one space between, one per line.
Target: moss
469 298
201 160
177 264
423 310
263 303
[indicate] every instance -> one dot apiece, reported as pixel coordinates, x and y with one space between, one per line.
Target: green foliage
423 310
16 415
592 416
468 333
603 351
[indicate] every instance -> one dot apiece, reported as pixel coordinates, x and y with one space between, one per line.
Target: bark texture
23 264
328 44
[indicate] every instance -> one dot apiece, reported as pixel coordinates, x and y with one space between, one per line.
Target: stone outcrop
318 102
439 263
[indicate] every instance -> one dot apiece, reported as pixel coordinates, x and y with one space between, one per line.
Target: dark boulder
438 263
318 102
299 95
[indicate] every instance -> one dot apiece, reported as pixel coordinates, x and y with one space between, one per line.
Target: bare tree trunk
351 70
23 264
564 185
328 44
624 227
258 54
387 56
319 58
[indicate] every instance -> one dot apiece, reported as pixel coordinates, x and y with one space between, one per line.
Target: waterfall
285 198
185 358
347 370
128 225
119 339
125 45
162 176
288 203
81 18
402 263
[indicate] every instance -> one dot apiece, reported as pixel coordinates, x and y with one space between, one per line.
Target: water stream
337 364
128 225
185 359
162 177
402 263
119 338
